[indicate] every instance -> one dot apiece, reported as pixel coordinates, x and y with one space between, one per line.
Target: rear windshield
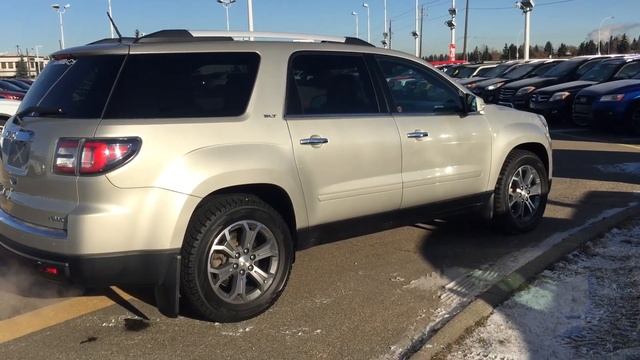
77 88
184 85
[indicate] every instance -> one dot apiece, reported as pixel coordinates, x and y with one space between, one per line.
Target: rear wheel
237 258
520 196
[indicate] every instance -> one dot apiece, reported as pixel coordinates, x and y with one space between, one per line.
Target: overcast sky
493 22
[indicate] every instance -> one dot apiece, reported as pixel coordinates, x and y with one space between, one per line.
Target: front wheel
237 257
520 196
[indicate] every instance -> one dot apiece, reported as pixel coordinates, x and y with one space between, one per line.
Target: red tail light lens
95 156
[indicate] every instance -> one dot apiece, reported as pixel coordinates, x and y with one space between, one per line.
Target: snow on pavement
587 306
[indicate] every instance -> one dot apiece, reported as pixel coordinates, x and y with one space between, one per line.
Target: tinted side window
184 85
628 71
78 87
417 90
330 84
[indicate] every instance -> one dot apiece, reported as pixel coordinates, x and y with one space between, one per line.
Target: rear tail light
93 156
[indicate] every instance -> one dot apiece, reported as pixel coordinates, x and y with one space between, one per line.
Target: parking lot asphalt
358 298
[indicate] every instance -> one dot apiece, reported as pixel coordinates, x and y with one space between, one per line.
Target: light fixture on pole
365 5
600 28
113 33
61 10
357 23
226 4
452 26
526 6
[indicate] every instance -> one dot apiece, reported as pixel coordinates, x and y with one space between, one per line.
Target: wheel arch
272 194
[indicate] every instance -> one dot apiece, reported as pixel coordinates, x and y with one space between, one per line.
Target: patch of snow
456 295
585 307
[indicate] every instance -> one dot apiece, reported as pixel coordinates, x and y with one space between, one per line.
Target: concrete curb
487 301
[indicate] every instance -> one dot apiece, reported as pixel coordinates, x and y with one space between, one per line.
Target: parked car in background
497 71
518 93
609 105
22 85
8 108
488 89
556 102
7 86
471 70
11 95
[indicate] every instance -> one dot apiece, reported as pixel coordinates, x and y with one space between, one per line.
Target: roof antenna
115 27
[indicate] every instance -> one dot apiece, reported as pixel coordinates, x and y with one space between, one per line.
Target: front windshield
498 70
600 72
628 71
563 69
520 71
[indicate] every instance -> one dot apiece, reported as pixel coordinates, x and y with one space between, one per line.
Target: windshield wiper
39 111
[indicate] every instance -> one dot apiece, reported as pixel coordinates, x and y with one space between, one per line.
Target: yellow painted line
636 147
54 314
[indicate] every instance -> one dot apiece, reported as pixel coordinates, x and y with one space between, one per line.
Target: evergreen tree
623 45
486 55
506 55
21 68
562 49
548 48
513 51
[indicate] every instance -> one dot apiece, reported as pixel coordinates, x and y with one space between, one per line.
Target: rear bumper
135 268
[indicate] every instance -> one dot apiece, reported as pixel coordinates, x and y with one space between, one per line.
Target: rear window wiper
39 111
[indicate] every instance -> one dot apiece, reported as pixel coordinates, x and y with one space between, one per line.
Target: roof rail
200 35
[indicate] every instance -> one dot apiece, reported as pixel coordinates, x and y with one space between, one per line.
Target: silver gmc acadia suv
199 162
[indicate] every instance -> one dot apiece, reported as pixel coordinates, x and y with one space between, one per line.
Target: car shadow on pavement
610 166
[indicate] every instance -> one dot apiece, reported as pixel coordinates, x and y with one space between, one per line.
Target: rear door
347 149
445 155
70 96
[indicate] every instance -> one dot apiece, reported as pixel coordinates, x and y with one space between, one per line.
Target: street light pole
61 10
385 31
113 34
600 28
365 5
526 6
226 4
357 23
416 33
38 69
250 12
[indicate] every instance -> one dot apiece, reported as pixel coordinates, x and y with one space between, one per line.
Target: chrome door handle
418 134
314 140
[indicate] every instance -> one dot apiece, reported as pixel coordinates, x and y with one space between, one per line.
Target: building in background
9 65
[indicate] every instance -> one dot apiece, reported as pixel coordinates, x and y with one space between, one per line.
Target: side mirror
473 104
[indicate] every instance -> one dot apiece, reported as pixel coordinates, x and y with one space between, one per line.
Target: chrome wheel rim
242 262
525 191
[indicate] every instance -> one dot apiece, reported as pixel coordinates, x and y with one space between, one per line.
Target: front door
445 154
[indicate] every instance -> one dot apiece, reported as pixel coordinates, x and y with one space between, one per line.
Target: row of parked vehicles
12 91
598 91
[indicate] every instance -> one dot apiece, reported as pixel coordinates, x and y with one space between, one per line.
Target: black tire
207 224
504 218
